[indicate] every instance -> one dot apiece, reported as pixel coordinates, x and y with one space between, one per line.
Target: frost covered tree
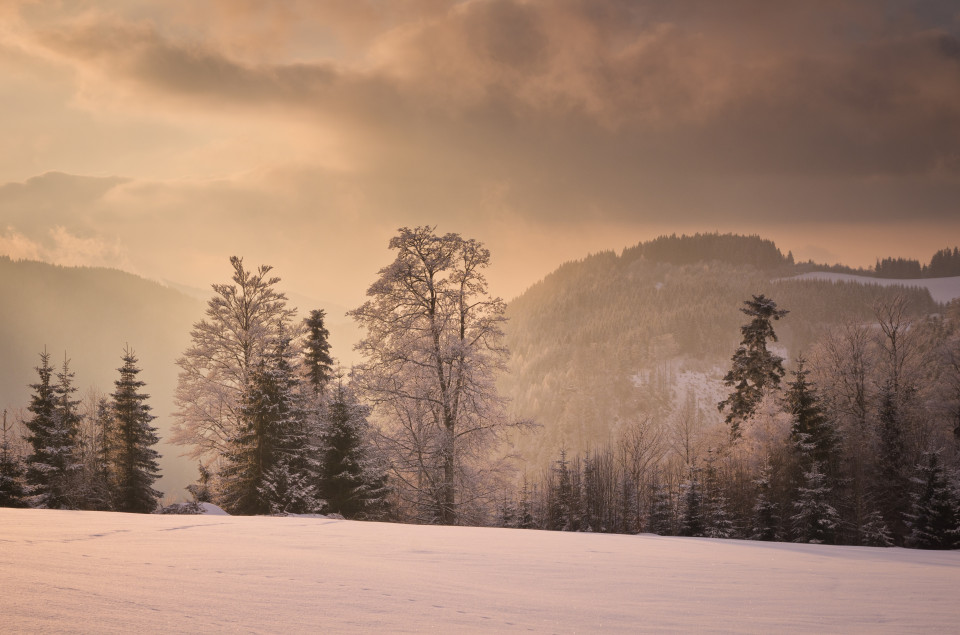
766 512
692 524
52 434
267 463
717 522
812 432
661 517
563 507
432 348
815 520
935 515
12 490
242 321
893 482
350 480
755 368
316 353
134 461
202 491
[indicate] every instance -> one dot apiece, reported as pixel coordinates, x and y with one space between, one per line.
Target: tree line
943 264
101 459
859 445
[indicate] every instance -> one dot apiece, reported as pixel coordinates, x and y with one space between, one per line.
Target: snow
69 571
210 509
941 289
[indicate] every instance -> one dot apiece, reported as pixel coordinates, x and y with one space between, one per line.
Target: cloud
250 126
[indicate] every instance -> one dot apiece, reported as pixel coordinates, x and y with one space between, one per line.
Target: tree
201 491
319 364
12 491
661 510
350 480
692 523
766 512
564 507
815 520
53 437
243 320
135 467
893 481
812 432
935 516
755 369
431 351
267 463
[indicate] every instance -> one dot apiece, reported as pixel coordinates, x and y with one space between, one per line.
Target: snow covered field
941 289
107 572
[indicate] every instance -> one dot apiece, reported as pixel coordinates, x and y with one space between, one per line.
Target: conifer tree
716 517
525 519
812 432
766 512
12 490
267 460
563 514
692 523
755 369
201 491
815 520
349 479
317 359
135 466
874 532
52 435
661 511
935 516
893 482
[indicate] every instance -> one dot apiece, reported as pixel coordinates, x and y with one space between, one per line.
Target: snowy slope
107 572
941 289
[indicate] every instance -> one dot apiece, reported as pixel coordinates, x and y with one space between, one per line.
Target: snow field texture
81 572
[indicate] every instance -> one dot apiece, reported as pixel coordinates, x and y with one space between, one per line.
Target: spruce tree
135 467
661 518
525 519
564 508
812 432
319 363
12 490
935 515
815 520
893 482
766 512
350 481
52 434
716 517
267 461
692 523
201 491
755 369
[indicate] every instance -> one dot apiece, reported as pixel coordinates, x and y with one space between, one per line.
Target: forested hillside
611 339
91 314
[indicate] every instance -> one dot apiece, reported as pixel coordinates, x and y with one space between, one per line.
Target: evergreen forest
689 385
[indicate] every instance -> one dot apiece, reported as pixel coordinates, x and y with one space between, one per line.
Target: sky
163 136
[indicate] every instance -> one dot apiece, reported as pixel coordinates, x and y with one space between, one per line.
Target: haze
163 137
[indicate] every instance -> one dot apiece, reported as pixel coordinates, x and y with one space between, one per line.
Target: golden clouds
482 114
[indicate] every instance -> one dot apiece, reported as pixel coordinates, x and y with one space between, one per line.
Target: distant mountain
89 315
613 338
